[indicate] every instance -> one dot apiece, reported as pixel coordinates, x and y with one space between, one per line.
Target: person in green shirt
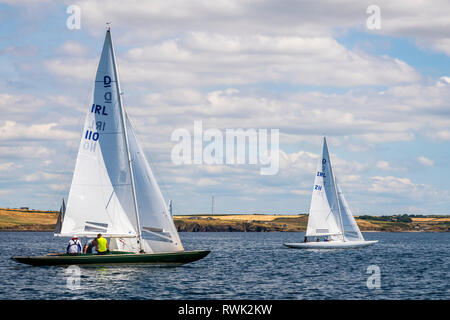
102 244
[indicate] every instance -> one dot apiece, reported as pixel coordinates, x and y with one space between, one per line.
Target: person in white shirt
74 246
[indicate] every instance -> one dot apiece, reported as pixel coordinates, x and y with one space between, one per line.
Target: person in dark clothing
89 246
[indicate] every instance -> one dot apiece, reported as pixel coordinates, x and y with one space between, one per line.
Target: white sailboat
113 190
331 224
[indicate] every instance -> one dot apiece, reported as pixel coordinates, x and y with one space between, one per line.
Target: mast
124 125
335 192
171 208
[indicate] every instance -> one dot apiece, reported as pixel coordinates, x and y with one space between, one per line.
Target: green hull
169 258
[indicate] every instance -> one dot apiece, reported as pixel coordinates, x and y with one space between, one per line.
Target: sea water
241 266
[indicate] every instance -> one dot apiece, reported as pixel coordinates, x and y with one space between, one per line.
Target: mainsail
322 216
330 214
113 189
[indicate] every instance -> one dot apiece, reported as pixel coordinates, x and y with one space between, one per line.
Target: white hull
330 244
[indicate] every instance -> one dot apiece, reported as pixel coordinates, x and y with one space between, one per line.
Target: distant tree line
395 218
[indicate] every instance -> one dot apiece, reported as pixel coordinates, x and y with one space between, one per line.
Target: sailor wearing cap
74 246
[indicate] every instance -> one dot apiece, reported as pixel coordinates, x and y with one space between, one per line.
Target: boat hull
167 258
331 244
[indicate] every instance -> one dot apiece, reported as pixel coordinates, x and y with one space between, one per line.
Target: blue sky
306 68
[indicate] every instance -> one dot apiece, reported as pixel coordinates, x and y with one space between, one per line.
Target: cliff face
239 223
268 223
226 227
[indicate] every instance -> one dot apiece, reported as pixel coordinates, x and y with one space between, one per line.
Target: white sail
61 214
114 191
351 229
157 226
330 213
329 181
100 198
322 219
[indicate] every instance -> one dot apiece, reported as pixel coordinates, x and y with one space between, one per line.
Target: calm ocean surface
241 266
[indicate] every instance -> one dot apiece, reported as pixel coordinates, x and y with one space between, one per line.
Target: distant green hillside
267 223
35 220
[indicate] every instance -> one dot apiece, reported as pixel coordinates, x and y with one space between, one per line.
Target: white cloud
6 166
388 137
42 176
425 161
10 130
162 19
75 68
20 51
236 64
73 48
392 184
58 187
407 189
16 104
25 151
417 19
383 165
204 182
301 192
197 58
220 59
443 135
371 116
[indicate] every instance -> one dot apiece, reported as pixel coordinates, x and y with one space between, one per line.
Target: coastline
19 220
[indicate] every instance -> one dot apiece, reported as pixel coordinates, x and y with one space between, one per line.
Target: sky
379 93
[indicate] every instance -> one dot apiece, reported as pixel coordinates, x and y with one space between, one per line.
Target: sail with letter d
113 190
322 218
330 214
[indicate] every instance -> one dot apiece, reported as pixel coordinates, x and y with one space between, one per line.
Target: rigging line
105 184
110 197
337 199
174 210
123 118
152 165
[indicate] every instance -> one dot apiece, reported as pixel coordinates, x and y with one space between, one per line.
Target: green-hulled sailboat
113 190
